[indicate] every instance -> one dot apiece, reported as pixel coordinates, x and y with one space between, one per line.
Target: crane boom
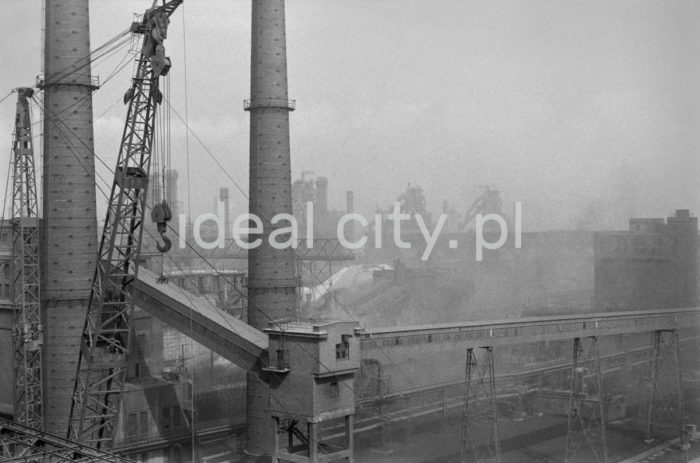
489 202
105 342
26 327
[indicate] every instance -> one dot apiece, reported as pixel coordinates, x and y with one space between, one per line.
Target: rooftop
303 325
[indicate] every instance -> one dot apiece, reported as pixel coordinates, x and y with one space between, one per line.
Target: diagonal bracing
106 335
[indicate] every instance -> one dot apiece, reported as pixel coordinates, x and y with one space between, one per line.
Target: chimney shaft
69 241
350 208
322 196
224 198
272 278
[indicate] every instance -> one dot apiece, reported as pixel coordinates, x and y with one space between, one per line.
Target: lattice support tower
27 328
106 336
586 414
480 406
20 443
665 398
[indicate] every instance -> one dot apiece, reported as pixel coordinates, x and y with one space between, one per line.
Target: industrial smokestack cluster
69 241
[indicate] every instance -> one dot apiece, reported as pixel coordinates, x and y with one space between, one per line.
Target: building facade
652 265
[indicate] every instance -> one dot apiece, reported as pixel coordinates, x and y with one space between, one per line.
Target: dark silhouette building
653 265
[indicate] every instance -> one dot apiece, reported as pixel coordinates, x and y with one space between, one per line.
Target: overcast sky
586 111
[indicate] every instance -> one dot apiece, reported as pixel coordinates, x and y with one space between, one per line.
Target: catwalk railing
525 330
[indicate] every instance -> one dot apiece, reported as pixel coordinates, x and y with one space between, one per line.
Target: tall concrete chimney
271 273
322 196
69 241
349 201
350 209
224 198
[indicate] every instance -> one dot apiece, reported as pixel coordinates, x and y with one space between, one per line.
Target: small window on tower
176 416
165 419
334 389
143 422
342 350
282 358
131 423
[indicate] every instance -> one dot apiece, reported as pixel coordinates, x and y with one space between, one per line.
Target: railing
93 81
491 333
269 103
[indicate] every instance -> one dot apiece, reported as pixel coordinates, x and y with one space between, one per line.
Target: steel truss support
665 403
23 444
27 330
314 274
586 423
480 405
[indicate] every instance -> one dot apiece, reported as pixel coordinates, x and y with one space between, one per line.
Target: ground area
534 439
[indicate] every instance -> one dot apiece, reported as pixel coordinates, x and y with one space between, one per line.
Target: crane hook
161 215
167 244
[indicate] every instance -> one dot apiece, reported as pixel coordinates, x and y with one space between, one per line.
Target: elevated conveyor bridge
525 330
246 346
197 318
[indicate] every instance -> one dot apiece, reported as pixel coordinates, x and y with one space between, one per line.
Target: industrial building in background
654 264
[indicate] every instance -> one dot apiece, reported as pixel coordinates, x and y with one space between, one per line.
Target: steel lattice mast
105 341
26 329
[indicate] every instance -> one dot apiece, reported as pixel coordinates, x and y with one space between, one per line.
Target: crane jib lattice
105 341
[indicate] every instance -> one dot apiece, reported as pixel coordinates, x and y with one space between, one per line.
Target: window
176 416
143 422
137 423
142 340
131 424
282 361
342 350
333 389
165 419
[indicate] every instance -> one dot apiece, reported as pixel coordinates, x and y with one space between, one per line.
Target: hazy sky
586 111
